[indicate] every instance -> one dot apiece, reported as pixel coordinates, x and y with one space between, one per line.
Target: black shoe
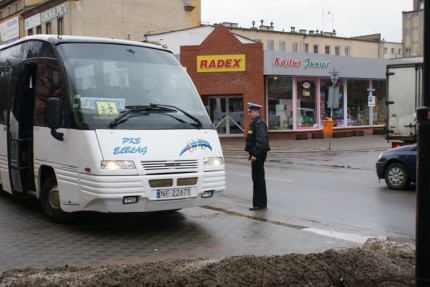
257 208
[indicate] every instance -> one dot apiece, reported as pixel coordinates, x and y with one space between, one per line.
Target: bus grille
170 166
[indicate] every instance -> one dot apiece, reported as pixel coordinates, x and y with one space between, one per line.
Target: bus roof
57 39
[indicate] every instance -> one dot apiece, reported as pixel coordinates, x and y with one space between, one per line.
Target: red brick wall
249 83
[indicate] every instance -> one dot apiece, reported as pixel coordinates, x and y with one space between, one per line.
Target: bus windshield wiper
123 114
197 123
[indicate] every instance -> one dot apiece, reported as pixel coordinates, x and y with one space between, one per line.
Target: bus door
20 141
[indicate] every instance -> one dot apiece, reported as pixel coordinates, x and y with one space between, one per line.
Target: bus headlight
213 161
117 164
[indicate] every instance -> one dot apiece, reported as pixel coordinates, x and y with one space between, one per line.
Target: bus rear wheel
50 201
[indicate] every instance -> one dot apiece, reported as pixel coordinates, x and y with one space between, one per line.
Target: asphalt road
317 201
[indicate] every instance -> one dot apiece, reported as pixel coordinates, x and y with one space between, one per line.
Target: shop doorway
227 114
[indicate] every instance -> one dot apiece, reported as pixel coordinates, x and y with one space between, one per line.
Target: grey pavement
355 143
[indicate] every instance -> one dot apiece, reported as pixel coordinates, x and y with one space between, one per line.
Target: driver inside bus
166 93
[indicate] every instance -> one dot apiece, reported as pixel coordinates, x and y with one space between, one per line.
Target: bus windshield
116 86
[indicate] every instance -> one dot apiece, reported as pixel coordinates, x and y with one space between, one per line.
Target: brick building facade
245 86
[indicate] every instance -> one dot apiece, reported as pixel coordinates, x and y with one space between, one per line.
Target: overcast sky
348 17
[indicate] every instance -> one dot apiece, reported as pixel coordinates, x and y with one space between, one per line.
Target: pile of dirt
377 263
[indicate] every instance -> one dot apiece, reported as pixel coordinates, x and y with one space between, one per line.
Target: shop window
357 102
380 109
306 108
280 103
332 102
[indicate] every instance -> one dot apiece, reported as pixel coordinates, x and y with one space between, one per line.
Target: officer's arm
260 139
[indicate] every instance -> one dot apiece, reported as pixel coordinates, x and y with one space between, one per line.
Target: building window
337 51
9 11
407 31
60 26
270 45
1 14
30 32
280 103
39 29
346 51
16 7
408 17
407 50
400 51
327 50
282 46
295 47
305 48
48 28
316 49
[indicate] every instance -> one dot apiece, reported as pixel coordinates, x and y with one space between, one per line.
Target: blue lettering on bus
130 150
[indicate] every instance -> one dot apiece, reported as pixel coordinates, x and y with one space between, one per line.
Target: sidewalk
367 142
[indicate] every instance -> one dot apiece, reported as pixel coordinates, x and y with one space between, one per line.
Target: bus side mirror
53 117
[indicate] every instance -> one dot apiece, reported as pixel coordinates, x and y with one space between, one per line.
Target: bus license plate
173 193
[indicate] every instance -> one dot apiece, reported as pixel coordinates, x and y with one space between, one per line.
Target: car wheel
50 201
396 176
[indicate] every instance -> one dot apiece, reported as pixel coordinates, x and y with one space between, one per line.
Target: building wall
356 47
413 33
130 19
248 83
393 50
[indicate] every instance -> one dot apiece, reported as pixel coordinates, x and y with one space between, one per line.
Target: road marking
277 179
341 235
329 233
267 178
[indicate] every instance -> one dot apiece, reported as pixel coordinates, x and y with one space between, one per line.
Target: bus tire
50 201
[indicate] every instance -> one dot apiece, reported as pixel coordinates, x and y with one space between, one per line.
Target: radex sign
54 13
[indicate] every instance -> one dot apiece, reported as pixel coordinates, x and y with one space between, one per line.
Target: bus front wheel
50 201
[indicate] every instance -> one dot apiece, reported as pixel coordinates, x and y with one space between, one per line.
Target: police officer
257 145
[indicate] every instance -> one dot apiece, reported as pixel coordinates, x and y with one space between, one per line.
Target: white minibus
114 126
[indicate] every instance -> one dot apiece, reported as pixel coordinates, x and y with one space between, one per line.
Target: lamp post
334 76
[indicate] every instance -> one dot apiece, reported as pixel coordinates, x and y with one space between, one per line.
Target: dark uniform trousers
259 198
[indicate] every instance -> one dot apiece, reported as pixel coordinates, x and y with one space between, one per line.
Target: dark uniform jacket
257 140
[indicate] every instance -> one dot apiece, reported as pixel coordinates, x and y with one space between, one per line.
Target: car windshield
105 80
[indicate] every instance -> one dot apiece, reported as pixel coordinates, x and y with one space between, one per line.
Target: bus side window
3 99
48 84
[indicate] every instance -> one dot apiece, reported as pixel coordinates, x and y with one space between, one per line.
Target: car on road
398 166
